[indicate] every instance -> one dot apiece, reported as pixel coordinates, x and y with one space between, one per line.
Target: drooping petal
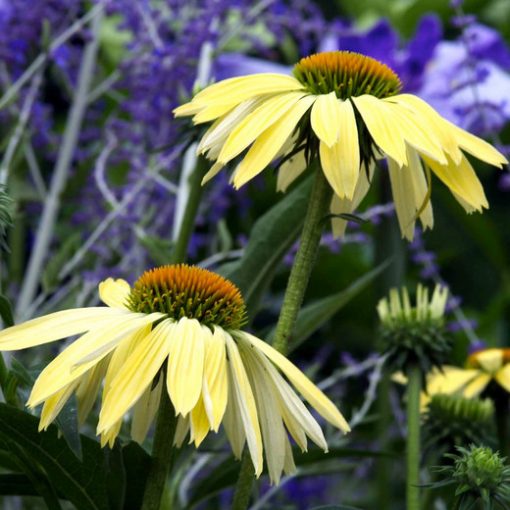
503 377
386 133
199 423
232 421
185 365
54 405
215 378
314 395
449 379
341 161
88 388
267 145
255 123
241 88
432 122
290 170
145 410
490 360
325 118
108 436
344 205
477 385
56 326
114 293
273 432
218 133
298 420
181 430
136 374
477 147
243 395
64 369
462 181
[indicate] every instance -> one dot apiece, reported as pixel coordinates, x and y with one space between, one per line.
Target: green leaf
67 419
159 249
314 315
6 311
271 238
82 483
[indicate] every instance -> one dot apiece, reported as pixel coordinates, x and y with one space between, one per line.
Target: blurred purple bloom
468 82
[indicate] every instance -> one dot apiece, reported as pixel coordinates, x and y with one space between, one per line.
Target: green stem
180 250
413 438
163 452
318 208
244 483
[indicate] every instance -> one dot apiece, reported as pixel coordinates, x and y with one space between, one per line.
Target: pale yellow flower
345 109
482 367
178 329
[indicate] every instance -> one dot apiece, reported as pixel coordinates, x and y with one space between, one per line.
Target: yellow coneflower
482 367
345 109
178 329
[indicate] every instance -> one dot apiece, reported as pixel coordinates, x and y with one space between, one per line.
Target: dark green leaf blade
272 236
82 483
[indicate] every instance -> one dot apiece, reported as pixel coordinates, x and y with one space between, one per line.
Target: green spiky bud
414 335
452 420
480 476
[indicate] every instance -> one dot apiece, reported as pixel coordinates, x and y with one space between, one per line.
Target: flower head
414 334
346 110
178 329
482 367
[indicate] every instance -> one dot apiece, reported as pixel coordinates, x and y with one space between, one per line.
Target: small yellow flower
346 109
482 367
178 329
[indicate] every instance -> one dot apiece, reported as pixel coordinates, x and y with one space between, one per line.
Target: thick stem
413 438
318 208
163 452
244 483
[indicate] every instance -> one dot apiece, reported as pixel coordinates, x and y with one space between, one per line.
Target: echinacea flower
178 329
344 109
482 367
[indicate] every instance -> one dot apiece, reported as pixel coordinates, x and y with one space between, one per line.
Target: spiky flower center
347 74
189 291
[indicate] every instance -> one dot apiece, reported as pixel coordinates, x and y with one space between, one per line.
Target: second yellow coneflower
344 109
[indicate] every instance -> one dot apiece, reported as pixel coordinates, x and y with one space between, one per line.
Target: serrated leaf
271 238
311 317
82 483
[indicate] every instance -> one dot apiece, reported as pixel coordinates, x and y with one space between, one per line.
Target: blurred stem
318 208
163 452
67 149
388 246
413 438
180 250
244 483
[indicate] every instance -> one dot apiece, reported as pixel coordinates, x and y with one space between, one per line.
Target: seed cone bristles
347 74
187 291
